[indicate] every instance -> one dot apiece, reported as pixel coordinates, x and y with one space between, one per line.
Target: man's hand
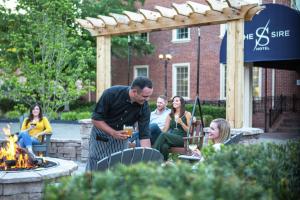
120 135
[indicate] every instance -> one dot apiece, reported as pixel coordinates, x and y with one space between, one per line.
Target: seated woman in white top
219 132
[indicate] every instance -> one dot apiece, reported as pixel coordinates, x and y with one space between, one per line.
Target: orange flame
12 152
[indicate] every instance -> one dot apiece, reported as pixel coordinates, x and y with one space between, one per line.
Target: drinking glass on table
128 129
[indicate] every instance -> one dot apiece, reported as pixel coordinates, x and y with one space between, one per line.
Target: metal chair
129 157
234 139
195 134
45 142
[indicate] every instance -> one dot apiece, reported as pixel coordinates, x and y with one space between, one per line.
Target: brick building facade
184 53
183 65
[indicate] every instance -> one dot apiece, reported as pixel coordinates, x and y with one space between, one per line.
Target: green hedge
236 172
73 116
12 114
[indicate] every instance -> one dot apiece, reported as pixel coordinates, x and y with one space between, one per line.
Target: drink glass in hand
129 130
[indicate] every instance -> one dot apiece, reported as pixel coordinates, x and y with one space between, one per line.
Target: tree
45 56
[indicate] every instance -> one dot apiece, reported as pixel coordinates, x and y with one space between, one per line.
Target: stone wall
85 131
65 149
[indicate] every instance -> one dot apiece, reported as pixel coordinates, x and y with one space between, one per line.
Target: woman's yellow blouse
41 126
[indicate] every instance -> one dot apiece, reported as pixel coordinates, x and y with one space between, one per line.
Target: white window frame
136 67
176 40
223 29
222 82
174 80
147 40
259 80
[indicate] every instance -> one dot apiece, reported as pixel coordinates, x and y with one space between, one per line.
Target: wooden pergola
189 14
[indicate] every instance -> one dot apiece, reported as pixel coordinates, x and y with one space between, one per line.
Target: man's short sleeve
102 106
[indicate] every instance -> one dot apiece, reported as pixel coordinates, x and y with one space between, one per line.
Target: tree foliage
46 57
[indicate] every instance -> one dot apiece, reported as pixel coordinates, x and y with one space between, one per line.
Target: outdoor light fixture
166 58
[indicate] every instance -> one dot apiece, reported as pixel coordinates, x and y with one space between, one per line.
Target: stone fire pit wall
29 185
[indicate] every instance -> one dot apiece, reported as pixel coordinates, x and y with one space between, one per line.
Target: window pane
144 36
182 33
256 88
182 81
142 72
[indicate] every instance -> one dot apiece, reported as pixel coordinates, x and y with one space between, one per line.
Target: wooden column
103 73
235 74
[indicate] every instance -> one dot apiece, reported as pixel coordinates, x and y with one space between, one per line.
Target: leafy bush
13 114
21 108
84 115
6 105
236 172
72 116
207 119
75 115
52 115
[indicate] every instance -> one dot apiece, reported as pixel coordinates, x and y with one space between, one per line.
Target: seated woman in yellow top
33 128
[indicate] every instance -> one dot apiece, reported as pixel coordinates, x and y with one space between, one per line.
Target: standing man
157 120
119 106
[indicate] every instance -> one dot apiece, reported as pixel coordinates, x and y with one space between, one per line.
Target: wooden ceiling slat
237 3
180 15
85 23
182 9
121 19
136 17
150 15
98 23
166 12
110 21
217 5
198 8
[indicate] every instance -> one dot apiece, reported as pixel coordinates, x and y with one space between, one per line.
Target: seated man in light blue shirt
157 120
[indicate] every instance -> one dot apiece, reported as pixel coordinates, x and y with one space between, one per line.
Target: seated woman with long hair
33 128
176 127
218 133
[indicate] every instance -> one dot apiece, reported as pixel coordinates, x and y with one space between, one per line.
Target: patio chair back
195 134
129 157
234 139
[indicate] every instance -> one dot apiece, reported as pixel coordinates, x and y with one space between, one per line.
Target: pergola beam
174 21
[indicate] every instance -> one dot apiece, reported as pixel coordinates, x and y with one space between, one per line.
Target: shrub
13 114
6 105
84 115
52 115
207 119
21 108
72 116
237 172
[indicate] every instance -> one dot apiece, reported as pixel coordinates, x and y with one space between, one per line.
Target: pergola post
103 72
235 74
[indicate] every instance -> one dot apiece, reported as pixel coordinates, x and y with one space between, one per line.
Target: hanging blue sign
272 35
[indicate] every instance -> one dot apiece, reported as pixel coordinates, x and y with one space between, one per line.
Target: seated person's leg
24 139
155 132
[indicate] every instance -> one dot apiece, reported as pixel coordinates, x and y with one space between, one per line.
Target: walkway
60 131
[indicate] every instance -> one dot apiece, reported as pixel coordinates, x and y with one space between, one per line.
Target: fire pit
29 184
23 176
